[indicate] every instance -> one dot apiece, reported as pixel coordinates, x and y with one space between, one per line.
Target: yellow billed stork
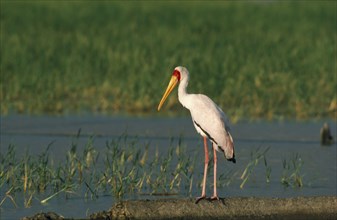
209 121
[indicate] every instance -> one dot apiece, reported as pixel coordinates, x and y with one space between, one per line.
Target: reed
256 157
292 176
123 169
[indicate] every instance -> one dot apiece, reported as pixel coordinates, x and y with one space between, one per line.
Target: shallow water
285 140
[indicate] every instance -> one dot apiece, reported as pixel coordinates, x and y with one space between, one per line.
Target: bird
208 119
326 137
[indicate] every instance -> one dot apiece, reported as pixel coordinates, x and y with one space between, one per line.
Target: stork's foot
215 198
200 198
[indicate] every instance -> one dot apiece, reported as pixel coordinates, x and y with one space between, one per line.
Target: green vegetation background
269 60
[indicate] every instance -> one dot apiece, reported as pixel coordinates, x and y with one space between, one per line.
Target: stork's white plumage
208 119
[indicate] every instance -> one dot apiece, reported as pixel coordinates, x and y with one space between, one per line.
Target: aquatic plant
125 168
122 169
256 157
291 175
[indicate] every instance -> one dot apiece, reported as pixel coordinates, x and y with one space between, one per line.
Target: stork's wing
224 118
213 122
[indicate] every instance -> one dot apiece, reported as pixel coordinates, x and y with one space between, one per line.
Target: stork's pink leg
203 193
215 194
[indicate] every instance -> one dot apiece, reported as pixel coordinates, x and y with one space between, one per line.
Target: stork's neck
182 93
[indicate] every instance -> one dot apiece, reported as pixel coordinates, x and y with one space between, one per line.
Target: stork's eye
176 73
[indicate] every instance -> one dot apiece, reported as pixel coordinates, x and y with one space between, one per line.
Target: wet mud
324 207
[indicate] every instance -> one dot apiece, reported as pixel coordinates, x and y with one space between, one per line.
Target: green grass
255 59
124 169
256 156
292 172
121 170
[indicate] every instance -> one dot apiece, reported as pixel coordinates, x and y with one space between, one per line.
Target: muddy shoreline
322 207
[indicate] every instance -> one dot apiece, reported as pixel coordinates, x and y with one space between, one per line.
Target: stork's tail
229 149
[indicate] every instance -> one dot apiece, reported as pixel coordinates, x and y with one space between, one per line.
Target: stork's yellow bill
173 82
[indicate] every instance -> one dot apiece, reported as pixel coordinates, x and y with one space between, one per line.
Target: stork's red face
173 82
176 73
